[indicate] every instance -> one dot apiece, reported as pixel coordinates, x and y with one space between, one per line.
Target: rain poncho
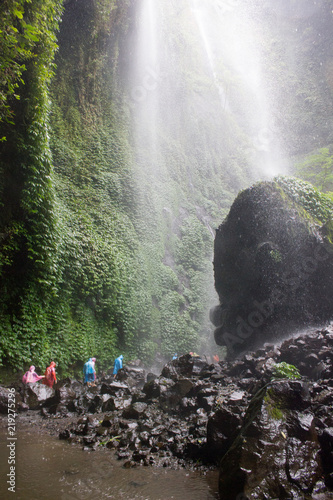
50 375
30 377
89 370
118 364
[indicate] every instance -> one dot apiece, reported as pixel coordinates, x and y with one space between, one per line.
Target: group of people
89 373
30 377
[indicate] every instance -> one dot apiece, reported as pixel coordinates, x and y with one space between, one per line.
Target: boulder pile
264 419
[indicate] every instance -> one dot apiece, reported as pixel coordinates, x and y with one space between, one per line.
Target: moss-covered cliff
126 263
114 175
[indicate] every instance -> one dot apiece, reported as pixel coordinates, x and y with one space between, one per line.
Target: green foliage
317 168
28 219
317 204
285 370
105 247
27 36
194 244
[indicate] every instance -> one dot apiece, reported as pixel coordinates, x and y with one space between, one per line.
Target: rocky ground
271 435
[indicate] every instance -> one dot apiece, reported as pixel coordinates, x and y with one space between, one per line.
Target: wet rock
135 411
276 448
66 394
133 375
38 395
273 266
151 376
65 434
326 454
152 389
273 437
183 386
4 392
108 403
114 388
222 428
291 394
185 366
188 406
206 398
21 407
123 454
301 426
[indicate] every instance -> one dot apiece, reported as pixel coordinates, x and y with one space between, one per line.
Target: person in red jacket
50 375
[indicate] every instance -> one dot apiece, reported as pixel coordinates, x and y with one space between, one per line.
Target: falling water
145 77
233 47
230 36
199 110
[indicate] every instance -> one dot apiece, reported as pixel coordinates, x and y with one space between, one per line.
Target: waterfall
229 34
202 129
232 42
145 77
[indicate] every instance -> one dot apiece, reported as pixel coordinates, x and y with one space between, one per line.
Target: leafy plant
285 370
317 204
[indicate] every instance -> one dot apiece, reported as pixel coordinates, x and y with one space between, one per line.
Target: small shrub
284 370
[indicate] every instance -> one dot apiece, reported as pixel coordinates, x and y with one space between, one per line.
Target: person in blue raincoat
118 364
89 372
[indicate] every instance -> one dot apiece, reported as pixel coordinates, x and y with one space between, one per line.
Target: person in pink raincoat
30 377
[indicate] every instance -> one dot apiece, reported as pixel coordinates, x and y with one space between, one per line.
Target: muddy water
49 468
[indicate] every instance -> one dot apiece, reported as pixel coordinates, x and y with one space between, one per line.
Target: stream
48 467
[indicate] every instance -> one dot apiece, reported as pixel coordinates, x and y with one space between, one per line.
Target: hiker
50 375
118 364
30 377
89 372
174 356
94 361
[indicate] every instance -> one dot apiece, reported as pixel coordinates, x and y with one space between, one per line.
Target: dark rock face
282 443
273 266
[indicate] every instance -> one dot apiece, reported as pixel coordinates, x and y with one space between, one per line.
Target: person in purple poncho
30 377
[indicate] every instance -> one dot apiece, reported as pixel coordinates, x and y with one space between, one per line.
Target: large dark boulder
38 395
273 263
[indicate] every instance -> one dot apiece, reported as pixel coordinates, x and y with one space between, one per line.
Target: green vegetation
104 247
98 254
274 404
317 168
285 370
318 205
273 409
28 239
27 38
